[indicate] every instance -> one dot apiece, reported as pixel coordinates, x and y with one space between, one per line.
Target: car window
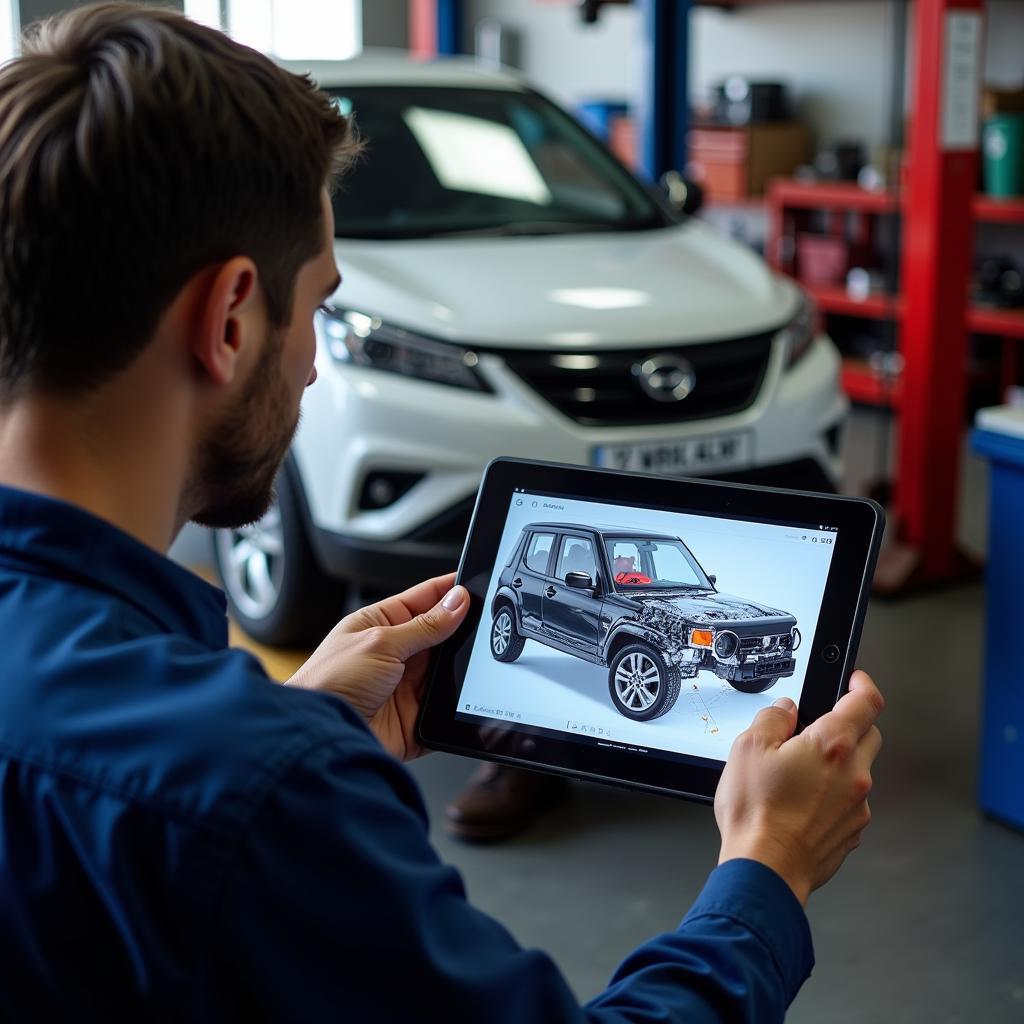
643 563
481 161
538 551
577 555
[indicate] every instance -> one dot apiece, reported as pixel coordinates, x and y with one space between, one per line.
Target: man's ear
228 317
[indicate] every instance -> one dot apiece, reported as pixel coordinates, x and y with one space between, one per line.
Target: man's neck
113 467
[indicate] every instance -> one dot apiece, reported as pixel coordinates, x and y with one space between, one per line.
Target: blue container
597 115
999 436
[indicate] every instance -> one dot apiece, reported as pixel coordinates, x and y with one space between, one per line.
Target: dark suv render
640 604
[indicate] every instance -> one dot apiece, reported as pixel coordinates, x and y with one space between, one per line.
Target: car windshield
479 162
640 563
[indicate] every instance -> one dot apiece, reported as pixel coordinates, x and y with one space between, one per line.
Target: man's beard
238 462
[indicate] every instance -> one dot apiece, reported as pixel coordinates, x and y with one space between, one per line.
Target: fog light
381 489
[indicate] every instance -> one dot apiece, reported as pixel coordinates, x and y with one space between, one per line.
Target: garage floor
923 924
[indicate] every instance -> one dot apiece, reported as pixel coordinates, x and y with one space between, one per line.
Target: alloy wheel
252 563
637 681
501 633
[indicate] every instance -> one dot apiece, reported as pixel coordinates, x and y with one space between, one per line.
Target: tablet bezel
859 522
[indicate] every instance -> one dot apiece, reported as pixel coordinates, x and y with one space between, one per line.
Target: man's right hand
799 803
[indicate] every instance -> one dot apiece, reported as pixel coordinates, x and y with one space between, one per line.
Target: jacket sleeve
338 908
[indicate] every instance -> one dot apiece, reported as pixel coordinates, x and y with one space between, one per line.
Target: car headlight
799 332
363 340
727 643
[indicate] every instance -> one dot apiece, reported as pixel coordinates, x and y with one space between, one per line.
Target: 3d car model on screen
640 604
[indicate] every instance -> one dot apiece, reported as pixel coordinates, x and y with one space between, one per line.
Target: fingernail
453 599
785 703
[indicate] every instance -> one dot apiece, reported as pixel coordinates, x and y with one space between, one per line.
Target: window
8 30
659 563
577 556
538 552
290 29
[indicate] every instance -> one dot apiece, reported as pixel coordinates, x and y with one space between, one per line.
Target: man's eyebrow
333 286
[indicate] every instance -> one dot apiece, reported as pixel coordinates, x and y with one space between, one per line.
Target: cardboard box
736 163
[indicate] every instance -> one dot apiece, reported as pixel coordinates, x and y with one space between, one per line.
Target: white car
510 288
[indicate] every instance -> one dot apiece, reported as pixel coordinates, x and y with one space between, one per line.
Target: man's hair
136 148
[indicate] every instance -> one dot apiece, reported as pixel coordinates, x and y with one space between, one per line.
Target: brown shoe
500 801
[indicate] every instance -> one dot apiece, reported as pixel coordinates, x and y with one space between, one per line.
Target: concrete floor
923 924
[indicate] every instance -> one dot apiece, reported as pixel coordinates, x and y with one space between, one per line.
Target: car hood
709 608
673 285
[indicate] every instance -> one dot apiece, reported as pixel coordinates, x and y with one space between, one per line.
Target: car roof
605 531
396 67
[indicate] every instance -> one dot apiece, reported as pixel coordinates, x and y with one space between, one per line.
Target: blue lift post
449 26
663 114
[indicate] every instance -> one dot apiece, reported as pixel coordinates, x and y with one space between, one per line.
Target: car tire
755 685
506 641
643 686
276 591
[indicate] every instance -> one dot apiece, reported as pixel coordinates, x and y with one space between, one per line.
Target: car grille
600 388
756 645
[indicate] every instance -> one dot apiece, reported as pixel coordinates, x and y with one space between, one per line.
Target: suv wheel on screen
755 685
276 591
642 684
506 642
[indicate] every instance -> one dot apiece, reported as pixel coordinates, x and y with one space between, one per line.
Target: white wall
569 60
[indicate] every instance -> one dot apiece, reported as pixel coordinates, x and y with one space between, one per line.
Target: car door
571 615
532 579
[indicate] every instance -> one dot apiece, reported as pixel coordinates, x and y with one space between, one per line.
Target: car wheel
276 591
506 642
755 685
642 684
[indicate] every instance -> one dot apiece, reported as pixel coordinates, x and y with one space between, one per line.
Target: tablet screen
641 629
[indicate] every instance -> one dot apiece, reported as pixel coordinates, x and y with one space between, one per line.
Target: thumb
431 627
775 724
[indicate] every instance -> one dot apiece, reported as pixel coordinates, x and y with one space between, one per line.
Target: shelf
834 299
846 195
830 195
862 384
990 210
1003 323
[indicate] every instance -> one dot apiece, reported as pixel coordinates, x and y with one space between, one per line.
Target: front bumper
762 668
357 422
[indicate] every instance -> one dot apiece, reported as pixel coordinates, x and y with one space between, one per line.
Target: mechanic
180 837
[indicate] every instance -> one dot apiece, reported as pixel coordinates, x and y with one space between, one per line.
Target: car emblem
666 378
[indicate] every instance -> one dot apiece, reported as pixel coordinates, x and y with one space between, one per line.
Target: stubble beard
238 463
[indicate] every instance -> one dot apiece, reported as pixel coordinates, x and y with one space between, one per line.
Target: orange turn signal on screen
702 637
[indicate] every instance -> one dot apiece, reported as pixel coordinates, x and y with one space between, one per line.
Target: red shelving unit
860 383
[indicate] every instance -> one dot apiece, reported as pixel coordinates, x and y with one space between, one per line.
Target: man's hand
799 803
376 658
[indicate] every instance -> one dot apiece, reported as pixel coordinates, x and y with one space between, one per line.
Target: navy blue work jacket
183 839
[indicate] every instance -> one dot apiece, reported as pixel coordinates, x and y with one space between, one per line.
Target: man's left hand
376 658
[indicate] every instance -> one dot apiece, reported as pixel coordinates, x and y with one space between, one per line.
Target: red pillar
938 248
423 28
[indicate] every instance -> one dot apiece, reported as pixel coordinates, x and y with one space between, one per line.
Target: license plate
710 453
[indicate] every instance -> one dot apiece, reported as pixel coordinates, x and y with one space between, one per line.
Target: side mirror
713 578
684 194
579 581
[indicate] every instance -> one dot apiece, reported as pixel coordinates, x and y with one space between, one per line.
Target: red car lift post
938 248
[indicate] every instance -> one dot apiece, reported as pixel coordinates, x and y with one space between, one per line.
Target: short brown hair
136 148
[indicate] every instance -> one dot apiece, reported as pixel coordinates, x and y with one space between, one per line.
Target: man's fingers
775 724
429 628
856 711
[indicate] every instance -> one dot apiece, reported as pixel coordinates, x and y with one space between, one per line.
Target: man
181 838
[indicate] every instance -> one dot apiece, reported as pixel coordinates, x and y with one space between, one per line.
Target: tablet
626 628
